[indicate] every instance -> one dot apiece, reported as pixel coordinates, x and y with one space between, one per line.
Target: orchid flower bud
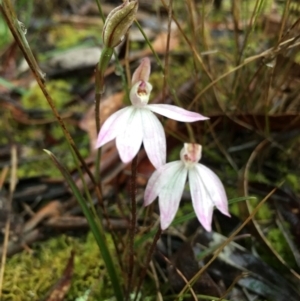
117 23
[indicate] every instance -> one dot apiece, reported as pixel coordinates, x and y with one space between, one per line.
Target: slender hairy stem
132 229
148 259
105 57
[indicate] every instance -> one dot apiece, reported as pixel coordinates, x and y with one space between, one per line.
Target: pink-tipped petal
201 200
206 191
142 72
170 196
129 141
176 113
159 179
215 188
154 138
113 126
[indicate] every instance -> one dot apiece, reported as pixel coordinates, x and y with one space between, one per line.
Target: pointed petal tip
99 142
207 228
224 208
126 157
226 213
199 117
176 113
205 221
164 225
163 228
147 199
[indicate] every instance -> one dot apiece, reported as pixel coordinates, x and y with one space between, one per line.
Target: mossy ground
29 276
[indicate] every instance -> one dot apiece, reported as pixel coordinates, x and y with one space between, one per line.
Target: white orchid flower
137 124
167 183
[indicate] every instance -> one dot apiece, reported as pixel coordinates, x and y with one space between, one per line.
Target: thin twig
148 259
132 223
13 181
167 55
225 243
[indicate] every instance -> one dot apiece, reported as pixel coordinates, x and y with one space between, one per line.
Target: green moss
257 176
66 36
264 213
278 242
293 181
174 154
30 276
5 35
58 89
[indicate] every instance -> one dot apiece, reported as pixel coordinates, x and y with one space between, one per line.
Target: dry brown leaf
160 43
61 288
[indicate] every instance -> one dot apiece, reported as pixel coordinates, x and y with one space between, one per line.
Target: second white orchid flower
136 124
168 184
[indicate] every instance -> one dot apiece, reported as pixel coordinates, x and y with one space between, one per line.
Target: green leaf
95 227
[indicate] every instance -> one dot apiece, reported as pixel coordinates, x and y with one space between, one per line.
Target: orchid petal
206 191
170 196
202 203
154 138
159 179
129 141
215 188
113 125
176 113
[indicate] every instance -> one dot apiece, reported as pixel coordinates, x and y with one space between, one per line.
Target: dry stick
148 259
186 281
3 175
132 223
226 242
167 55
284 19
156 281
13 181
232 285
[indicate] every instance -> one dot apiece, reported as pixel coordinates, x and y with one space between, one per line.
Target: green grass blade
98 233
